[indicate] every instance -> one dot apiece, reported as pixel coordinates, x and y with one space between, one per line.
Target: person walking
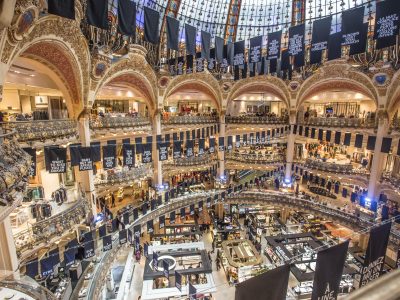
112 200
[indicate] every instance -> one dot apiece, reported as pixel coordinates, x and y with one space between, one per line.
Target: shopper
112 200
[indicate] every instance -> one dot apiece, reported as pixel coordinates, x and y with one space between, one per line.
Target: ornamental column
8 254
157 164
290 147
378 159
86 178
221 154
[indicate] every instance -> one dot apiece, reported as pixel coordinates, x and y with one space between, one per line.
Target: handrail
340 122
192 161
118 122
36 292
252 159
125 175
189 120
348 168
256 120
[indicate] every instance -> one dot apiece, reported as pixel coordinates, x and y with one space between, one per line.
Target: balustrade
254 158
118 122
341 122
246 119
192 161
187 119
123 175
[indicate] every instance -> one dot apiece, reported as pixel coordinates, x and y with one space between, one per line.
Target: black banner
320 37
371 141
189 64
219 49
352 26
386 144
123 236
358 141
201 146
255 49
347 139
32 167
211 142
107 243
56 160
163 151
109 156
97 13
172 33
180 65
177 149
271 285
128 152
230 143
172 217
74 154
376 252
205 44
151 25
189 148
190 39
238 58
64 8
296 44
96 153
88 249
150 226
85 158
146 155
183 212
335 46
274 45
47 266
221 143
328 272
178 281
127 17
386 23
161 222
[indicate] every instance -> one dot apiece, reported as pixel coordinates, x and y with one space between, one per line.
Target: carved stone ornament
163 82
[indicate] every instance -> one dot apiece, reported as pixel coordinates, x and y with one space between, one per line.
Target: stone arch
135 72
203 82
273 85
336 75
59 45
393 95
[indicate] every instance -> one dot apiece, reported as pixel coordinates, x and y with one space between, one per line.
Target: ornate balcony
42 232
42 132
127 123
246 119
189 120
332 167
14 167
191 161
31 290
254 159
341 122
123 176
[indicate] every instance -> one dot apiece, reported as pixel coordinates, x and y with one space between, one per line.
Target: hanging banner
189 148
328 272
32 167
335 46
205 44
85 158
319 40
271 285
147 153
201 206
183 212
74 154
107 243
150 226
191 207
166 268
97 13
211 142
211 61
238 58
219 49
221 143
122 236
172 33
201 146
56 160
127 17
163 151
255 49
376 252
172 66
102 231
177 149
178 281
96 152
296 44
237 141
352 26
151 25
88 249
161 222
189 64
155 261
109 156
190 39
371 141
386 23
47 266
230 141
128 153
65 9
172 217
274 45
192 292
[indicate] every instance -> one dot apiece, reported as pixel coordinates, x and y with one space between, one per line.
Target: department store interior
179 149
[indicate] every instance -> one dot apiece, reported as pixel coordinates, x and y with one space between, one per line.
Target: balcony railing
340 122
176 120
191 161
47 229
118 122
41 131
36 291
254 158
123 175
333 167
256 120
14 168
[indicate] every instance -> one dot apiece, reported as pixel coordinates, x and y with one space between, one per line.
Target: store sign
146 155
375 255
328 272
85 161
178 281
32 167
107 243
109 156
128 152
56 160
123 237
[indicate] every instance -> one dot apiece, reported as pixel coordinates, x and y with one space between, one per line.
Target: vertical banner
172 66
180 65
237 141
335 46
199 62
166 268
190 39
178 281
189 148
319 40
163 151
126 17
172 33
328 272
32 167
201 146
376 252
192 292
274 45
85 159
161 222
155 261
177 149
271 285
205 44
107 243
229 144
128 153
150 226
183 213
386 23
96 153
353 27
56 160
219 49
189 64
191 209
123 236
211 142
172 217
65 9
238 58
109 156
151 25
255 49
221 143
296 44
147 152
96 13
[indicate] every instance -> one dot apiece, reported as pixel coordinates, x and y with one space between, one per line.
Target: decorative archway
58 44
333 76
269 84
393 95
203 82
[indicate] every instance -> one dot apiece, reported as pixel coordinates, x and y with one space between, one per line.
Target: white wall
50 183
10 99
